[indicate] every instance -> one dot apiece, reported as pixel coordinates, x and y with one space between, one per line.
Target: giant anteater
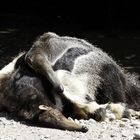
62 77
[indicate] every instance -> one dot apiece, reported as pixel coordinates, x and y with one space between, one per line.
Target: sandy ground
114 130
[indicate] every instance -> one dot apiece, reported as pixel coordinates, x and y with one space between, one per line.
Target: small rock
135 123
125 120
137 135
86 121
92 121
81 121
103 122
124 135
47 136
122 124
131 127
112 135
111 116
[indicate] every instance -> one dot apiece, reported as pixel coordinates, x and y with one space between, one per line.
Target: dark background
112 25
84 14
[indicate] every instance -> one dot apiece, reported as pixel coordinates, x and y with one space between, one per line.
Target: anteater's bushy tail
133 92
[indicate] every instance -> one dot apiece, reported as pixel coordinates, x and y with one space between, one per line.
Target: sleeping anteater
62 77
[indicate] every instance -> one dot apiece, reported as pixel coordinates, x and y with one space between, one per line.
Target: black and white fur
90 77
85 81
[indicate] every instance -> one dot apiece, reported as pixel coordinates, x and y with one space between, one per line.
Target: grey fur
92 83
105 80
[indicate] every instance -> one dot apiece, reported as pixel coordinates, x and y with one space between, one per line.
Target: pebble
122 124
125 120
124 135
135 123
103 123
111 117
92 121
112 135
47 136
81 121
137 135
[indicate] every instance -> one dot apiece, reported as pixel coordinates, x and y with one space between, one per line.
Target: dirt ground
113 130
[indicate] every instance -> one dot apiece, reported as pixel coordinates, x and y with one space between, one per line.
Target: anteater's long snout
51 117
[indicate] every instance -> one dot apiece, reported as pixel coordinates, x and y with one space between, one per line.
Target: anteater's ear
43 107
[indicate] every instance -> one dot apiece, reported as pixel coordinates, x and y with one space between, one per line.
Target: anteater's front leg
37 59
51 117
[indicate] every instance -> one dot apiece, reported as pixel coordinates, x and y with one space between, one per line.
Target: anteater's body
65 76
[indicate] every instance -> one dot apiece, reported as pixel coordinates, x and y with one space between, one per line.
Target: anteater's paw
117 111
98 115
